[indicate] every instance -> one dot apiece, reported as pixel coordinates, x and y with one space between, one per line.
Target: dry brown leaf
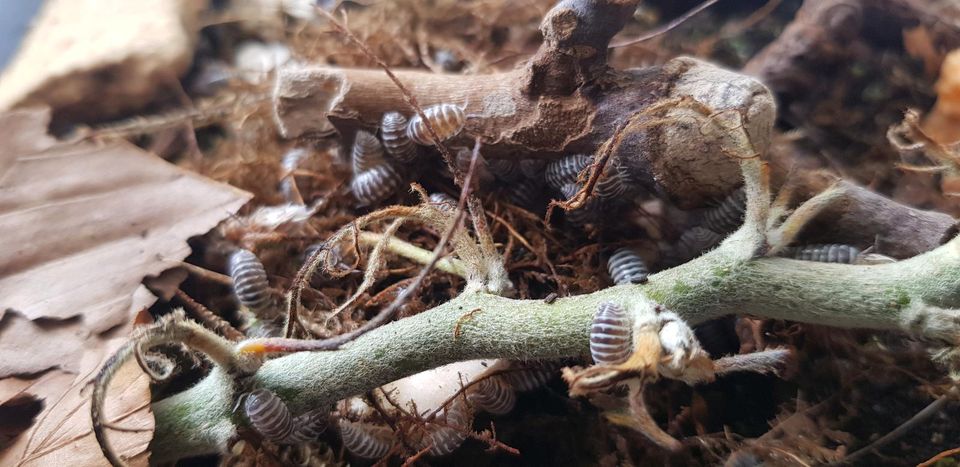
62 433
83 224
944 120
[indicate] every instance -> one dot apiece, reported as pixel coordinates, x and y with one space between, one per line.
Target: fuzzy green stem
916 295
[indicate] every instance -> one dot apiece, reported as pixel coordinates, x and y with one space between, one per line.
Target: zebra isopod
563 172
393 130
365 440
530 376
268 415
695 241
250 283
824 253
610 334
367 152
728 216
446 120
626 266
493 395
447 437
376 184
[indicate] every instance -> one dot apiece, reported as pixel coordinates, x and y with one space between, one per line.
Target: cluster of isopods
494 393
379 165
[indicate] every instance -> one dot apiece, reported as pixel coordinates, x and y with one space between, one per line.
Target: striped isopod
268 415
288 185
493 395
610 334
367 152
446 438
446 120
365 440
626 266
308 427
250 283
563 172
505 169
393 130
728 216
443 201
695 241
824 253
374 185
529 376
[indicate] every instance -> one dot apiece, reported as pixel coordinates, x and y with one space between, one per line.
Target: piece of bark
864 218
96 59
566 100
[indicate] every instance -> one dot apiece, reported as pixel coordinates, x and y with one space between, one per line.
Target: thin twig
930 410
207 317
667 27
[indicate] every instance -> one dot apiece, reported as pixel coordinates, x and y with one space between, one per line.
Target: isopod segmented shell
443 201
376 184
493 395
695 241
268 415
365 440
626 266
446 120
528 376
393 130
308 427
533 168
728 216
367 152
610 334
824 253
562 172
507 170
447 437
250 283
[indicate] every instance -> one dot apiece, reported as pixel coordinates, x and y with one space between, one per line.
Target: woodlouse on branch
365 440
493 395
270 417
393 131
626 266
728 216
824 253
250 283
610 334
446 119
